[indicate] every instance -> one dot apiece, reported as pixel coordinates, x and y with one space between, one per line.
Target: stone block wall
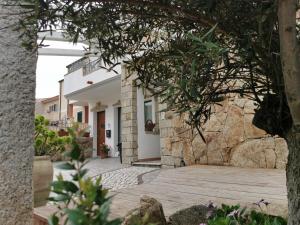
231 139
129 117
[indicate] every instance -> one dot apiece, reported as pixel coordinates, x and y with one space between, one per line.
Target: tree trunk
289 53
290 57
17 98
293 175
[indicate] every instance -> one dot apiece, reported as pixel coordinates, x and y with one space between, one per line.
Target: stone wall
129 117
231 139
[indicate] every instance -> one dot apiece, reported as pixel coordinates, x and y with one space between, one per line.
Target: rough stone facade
231 139
129 117
17 99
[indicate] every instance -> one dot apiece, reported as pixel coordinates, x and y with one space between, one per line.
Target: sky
51 69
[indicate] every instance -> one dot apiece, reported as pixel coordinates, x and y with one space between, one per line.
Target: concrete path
186 186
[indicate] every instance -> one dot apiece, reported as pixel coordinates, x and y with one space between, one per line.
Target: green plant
105 148
47 142
235 215
81 201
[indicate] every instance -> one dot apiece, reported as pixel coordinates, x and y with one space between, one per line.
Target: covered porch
102 100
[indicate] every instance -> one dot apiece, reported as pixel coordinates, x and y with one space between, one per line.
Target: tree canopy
192 52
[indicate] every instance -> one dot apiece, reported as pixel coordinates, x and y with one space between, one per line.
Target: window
148 110
149 124
79 117
52 108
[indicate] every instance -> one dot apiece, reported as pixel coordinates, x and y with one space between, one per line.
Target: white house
118 111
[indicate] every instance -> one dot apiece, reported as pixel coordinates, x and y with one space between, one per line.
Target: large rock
256 153
231 139
149 208
194 215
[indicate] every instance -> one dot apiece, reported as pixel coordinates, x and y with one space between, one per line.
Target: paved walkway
186 186
114 175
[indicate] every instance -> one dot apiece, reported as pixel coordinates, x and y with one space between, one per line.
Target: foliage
78 130
193 53
235 215
105 148
82 200
47 142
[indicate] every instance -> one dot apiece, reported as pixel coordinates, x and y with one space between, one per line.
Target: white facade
148 142
87 85
99 90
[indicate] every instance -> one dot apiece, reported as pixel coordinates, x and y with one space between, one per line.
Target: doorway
100 131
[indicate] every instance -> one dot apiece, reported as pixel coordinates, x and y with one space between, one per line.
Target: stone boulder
194 215
149 208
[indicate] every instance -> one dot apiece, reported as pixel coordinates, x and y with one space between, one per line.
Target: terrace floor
186 186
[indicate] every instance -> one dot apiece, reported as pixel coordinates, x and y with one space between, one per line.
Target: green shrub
47 142
81 201
235 215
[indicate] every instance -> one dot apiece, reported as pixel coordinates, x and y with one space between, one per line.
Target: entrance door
100 130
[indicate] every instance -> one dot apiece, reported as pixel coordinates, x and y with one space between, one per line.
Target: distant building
49 108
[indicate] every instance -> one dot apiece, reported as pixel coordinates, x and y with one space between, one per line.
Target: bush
47 142
235 215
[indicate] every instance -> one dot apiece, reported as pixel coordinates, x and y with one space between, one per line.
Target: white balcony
85 73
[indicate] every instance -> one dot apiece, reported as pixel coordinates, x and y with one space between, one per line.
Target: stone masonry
129 117
231 139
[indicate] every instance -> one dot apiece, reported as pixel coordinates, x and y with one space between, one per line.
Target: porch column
129 117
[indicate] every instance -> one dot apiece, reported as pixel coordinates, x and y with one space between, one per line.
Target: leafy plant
81 201
47 142
235 215
105 148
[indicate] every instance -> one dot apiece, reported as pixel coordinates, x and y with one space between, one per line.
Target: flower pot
103 155
42 177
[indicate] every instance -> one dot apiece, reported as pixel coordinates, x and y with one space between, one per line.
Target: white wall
148 143
110 122
75 81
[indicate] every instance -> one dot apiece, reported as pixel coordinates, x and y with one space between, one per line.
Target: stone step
155 164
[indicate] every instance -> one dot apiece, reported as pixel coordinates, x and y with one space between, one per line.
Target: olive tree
194 53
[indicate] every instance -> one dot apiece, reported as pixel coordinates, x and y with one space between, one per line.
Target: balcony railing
77 64
91 67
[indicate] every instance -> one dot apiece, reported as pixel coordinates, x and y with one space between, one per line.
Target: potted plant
104 150
47 144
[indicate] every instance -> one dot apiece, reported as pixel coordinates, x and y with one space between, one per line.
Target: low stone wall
231 139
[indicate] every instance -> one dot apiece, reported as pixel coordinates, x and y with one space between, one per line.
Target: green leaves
234 215
81 200
53 220
64 186
77 216
66 166
47 142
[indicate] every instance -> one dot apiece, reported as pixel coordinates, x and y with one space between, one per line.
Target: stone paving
124 178
114 175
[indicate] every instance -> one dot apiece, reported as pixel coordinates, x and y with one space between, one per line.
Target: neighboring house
48 107
119 111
